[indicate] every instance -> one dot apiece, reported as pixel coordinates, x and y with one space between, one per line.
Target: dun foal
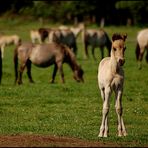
111 77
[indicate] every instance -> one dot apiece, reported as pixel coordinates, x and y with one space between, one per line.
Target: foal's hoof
102 134
123 133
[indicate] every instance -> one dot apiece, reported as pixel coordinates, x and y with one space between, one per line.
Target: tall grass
72 109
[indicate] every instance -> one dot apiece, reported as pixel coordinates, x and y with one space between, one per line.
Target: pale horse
111 77
142 46
7 40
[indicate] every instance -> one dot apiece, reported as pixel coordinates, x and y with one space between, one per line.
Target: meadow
72 109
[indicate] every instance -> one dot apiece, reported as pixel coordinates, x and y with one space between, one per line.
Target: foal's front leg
104 125
54 73
118 106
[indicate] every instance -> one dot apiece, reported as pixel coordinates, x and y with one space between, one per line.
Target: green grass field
72 109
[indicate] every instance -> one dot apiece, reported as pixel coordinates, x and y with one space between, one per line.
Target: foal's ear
124 36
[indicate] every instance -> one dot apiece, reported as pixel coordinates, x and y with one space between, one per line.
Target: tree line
110 12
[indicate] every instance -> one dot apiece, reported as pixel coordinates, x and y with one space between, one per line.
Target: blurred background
100 12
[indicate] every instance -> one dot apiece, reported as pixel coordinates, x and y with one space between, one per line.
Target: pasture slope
69 115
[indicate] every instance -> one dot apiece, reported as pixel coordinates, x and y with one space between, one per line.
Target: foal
111 77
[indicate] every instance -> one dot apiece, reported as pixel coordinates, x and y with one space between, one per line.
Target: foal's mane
117 36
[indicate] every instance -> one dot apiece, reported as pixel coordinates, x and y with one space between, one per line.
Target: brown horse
44 55
111 78
142 46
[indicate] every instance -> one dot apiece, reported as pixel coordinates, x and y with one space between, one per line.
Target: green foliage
72 109
138 9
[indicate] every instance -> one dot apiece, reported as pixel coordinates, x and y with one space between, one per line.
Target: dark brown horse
44 55
96 38
65 36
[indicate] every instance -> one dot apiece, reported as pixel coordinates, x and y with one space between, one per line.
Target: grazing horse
111 77
142 46
44 55
96 38
7 40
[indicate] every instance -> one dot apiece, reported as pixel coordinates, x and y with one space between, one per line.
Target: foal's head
118 48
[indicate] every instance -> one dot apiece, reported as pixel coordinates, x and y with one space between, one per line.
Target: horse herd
54 46
61 48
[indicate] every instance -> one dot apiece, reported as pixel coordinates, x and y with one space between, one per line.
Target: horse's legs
93 52
28 64
2 50
54 73
118 106
86 50
60 68
102 52
104 125
75 48
22 67
140 58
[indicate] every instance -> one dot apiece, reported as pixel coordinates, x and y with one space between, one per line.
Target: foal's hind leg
118 106
28 64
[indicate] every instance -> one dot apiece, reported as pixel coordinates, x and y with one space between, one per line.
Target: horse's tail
137 52
15 59
146 56
108 43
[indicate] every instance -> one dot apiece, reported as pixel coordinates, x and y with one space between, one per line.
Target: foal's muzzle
121 62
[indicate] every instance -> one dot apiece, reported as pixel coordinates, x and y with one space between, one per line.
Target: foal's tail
137 52
15 59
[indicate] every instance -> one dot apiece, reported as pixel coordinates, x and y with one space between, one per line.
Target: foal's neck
114 65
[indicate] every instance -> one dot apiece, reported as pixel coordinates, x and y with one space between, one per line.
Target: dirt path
49 141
